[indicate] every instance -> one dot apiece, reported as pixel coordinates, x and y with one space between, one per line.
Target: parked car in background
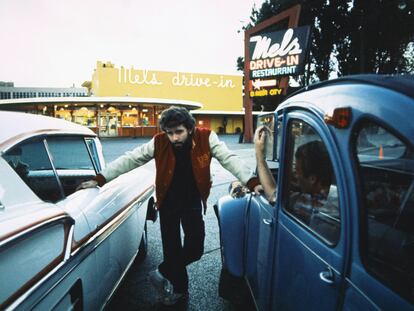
359 253
61 249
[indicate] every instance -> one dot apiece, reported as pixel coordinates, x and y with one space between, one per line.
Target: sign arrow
257 84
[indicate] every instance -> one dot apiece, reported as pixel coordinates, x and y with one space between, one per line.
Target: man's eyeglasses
177 132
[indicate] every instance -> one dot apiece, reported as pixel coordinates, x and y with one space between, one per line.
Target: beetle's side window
31 162
311 194
386 172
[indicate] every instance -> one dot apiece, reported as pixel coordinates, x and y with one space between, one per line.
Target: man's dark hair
315 161
175 116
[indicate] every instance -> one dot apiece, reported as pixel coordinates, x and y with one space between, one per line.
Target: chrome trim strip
6 145
96 169
34 228
251 293
68 246
52 163
362 293
112 225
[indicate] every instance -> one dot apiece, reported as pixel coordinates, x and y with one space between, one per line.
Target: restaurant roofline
100 100
223 112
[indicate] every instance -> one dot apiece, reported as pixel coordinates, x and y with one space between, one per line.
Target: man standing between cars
182 154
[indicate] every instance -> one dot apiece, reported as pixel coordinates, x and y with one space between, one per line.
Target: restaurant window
129 118
85 116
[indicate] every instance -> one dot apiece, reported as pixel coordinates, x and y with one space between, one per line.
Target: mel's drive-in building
120 101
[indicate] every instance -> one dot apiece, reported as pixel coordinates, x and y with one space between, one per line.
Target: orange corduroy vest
200 160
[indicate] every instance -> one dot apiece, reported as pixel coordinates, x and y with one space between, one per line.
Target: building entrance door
108 124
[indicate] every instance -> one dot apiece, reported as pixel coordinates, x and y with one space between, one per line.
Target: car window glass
90 143
268 122
32 153
386 170
311 196
31 162
72 161
374 142
69 153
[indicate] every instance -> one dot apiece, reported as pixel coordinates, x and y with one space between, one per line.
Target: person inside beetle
182 154
311 188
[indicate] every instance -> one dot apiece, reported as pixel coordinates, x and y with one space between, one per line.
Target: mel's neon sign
177 79
280 53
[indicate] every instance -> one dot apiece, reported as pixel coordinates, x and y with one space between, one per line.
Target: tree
348 37
409 57
376 37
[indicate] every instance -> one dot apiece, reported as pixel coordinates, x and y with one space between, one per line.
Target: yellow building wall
233 123
216 123
214 92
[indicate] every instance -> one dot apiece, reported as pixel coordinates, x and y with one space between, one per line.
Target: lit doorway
108 124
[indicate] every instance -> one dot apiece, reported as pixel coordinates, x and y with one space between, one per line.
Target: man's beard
180 145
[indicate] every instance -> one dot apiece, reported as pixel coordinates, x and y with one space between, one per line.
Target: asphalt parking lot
135 293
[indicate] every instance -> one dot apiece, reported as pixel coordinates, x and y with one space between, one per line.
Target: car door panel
76 280
300 262
259 247
304 257
116 217
363 290
74 205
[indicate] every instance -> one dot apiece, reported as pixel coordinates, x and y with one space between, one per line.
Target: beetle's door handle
327 276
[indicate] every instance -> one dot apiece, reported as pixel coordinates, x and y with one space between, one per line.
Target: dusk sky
57 43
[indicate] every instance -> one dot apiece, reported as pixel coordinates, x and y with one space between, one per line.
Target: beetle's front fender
231 215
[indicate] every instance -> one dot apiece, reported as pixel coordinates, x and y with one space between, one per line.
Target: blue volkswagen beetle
358 254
